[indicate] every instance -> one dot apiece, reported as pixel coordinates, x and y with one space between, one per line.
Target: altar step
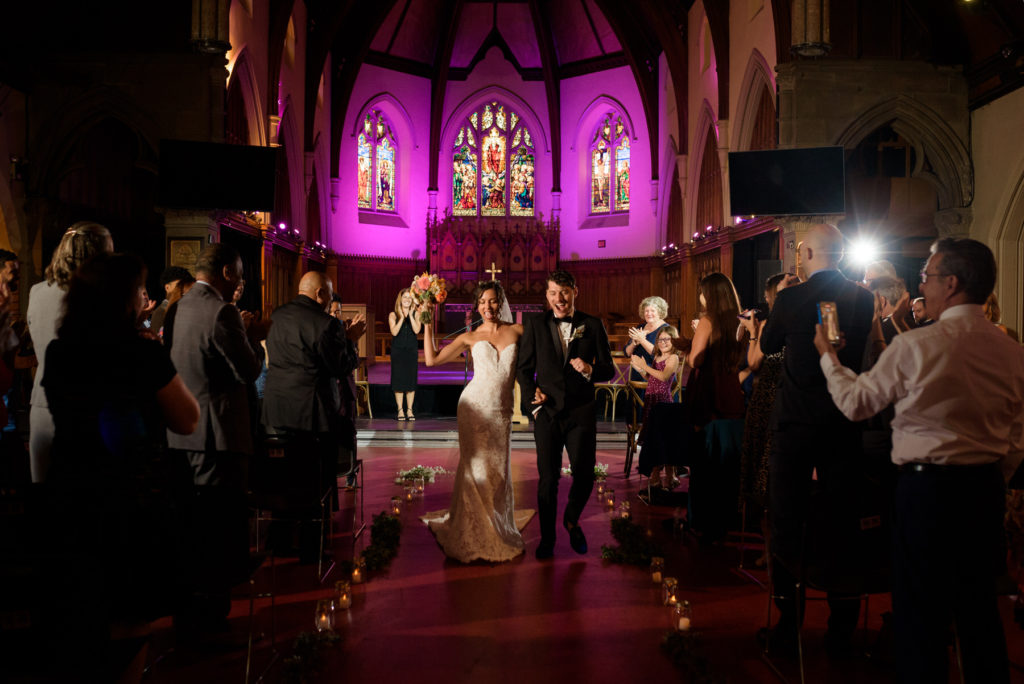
428 433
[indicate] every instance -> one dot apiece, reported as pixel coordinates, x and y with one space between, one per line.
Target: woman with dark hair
113 392
482 522
45 308
716 407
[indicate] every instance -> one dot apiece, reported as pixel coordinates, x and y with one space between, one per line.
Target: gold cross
493 270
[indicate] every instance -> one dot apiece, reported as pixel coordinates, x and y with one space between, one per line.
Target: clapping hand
638 364
637 334
355 327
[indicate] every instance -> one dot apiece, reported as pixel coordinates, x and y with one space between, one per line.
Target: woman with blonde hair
642 339
405 325
45 310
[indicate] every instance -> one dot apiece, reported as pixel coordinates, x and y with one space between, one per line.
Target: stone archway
1009 251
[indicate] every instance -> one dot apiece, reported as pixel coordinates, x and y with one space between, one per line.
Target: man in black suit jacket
809 432
211 351
563 352
308 352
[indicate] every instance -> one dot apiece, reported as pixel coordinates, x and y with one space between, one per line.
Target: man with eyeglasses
958 434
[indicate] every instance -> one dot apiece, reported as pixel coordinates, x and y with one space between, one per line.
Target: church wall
248 33
496 75
751 28
703 108
998 207
291 101
584 100
321 155
405 100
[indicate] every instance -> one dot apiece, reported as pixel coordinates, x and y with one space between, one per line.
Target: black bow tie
567 319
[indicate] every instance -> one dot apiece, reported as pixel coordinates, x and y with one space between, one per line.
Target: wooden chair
616 385
363 388
636 400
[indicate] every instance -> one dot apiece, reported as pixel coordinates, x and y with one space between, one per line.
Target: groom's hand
539 397
582 367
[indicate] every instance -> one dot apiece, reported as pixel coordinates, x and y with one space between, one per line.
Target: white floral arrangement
426 472
600 471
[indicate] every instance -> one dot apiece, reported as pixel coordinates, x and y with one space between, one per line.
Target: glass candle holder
682 616
669 588
609 498
657 569
600 488
624 510
323 618
358 570
344 591
420 483
396 505
410 492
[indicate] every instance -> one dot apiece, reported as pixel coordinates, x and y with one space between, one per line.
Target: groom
563 352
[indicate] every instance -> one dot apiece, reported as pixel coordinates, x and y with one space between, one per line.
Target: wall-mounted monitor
796 182
203 175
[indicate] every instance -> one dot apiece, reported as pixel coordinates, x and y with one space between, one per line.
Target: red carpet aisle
569 620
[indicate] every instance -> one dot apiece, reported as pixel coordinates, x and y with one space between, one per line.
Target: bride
482 522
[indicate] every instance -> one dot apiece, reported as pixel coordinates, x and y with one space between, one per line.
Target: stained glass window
490 175
609 180
375 150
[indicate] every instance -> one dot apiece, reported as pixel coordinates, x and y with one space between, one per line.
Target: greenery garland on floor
635 547
307 656
385 532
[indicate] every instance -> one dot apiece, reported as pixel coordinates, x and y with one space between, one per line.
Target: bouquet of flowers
427 288
426 472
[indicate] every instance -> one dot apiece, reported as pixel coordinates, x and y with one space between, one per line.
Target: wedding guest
309 352
348 408
655 430
993 313
958 435
810 435
112 391
45 310
210 348
757 434
170 280
643 338
920 311
716 408
405 325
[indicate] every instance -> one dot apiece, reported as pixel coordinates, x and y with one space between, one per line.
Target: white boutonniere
578 333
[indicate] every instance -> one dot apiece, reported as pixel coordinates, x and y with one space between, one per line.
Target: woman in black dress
405 325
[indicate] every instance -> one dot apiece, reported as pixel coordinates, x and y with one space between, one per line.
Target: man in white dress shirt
958 389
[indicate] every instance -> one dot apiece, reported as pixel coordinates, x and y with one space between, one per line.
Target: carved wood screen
463 249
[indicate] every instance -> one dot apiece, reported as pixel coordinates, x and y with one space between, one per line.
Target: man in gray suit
212 353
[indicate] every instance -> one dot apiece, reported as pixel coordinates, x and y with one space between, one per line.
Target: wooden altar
519 251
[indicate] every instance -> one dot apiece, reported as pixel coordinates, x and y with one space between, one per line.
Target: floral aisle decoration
427 473
600 471
385 532
428 288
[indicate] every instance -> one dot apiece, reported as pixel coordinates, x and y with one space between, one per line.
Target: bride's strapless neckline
496 350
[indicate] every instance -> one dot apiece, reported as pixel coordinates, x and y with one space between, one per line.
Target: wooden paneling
612 289
375 282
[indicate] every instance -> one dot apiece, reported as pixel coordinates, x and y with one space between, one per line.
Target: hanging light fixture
210 26
810 28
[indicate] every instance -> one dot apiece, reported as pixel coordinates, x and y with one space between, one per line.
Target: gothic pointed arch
756 91
706 186
942 158
290 202
1007 241
243 77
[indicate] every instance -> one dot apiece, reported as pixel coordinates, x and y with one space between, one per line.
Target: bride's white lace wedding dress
482 523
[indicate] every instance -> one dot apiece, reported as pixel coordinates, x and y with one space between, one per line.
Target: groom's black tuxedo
542 364
566 419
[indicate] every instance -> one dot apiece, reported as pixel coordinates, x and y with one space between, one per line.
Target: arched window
376 164
609 193
490 175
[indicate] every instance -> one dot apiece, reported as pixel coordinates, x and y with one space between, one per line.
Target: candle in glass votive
682 616
600 488
420 484
624 510
344 589
669 586
324 616
409 492
657 568
358 570
609 498
396 505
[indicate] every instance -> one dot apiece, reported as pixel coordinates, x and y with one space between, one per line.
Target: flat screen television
796 182
204 175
